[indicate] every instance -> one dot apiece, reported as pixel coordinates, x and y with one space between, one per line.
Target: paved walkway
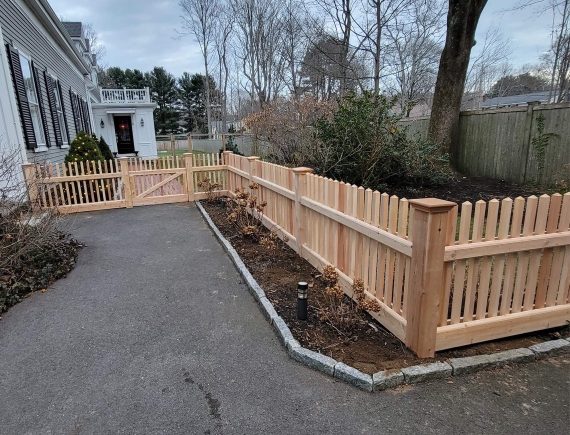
153 332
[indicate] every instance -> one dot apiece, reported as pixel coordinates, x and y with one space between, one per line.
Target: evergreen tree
104 148
115 78
164 93
192 95
135 79
231 144
83 148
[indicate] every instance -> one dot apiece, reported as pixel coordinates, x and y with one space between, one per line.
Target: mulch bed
38 268
367 346
471 189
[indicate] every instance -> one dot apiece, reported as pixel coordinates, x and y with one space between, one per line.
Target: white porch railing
125 96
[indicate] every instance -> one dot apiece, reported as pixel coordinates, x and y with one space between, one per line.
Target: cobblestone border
384 379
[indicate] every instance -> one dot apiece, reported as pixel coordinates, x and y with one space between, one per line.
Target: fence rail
444 276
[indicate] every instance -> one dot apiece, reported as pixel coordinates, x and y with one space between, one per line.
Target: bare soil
471 189
367 345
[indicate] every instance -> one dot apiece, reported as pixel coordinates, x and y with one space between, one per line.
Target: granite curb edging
388 378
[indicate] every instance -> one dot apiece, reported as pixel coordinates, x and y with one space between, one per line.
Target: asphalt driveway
153 332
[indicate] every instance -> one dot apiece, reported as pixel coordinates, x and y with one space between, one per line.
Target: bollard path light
302 290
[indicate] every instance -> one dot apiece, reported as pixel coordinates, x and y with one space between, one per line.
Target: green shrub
83 148
362 143
105 150
231 143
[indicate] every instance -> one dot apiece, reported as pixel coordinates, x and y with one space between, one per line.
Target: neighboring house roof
516 100
73 28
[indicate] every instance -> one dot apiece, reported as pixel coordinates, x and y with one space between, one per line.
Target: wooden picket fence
444 276
121 183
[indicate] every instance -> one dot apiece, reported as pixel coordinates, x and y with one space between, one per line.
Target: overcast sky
142 33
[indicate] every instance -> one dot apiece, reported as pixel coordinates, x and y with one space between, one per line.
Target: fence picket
473 263
523 257
390 254
509 277
485 263
459 279
400 266
445 308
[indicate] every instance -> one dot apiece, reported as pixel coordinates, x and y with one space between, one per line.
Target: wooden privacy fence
88 186
501 143
443 276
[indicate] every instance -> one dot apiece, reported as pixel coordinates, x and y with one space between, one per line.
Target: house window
59 110
33 101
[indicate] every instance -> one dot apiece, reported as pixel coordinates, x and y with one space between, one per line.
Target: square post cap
432 205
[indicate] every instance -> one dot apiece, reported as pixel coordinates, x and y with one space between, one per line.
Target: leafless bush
340 311
246 212
211 189
33 252
23 226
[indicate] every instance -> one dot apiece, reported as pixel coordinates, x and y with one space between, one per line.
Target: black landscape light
302 291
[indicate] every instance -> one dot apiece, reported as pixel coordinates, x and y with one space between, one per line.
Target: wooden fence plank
523 256
485 262
473 264
508 283
459 279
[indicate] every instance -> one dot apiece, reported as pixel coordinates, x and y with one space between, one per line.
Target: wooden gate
157 181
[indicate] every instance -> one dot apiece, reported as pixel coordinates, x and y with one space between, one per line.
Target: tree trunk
208 107
378 44
462 18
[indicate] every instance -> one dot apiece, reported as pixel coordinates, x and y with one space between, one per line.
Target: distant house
516 100
49 90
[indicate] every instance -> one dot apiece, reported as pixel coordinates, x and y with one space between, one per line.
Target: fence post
124 162
300 188
190 145
31 177
252 167
188 164
427 273
173 145
226 161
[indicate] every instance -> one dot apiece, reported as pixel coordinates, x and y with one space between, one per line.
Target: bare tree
222 41
199 19
413 51
378 14
258 46
298 33
560 52
488 63
95 45
462 19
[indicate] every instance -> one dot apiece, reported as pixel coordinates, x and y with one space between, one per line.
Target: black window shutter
23 106
78 101
87 117
40 97
63 106
74 111
50 87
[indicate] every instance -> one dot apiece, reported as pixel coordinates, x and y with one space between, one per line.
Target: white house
49 90
124 119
